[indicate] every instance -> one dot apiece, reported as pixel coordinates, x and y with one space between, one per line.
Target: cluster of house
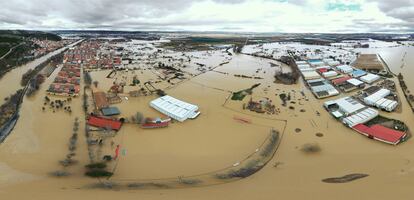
326 77
96 56
46 46
82 53
67 82
356 115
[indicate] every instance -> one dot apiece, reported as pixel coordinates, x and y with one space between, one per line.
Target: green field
4 49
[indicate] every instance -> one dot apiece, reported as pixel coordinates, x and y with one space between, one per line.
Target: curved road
10 50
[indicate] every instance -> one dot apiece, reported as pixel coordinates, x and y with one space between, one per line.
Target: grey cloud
95 12
158 14
400 9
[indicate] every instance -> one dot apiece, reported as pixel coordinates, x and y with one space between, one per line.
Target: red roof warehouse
322 70
380 133
340 80
104 123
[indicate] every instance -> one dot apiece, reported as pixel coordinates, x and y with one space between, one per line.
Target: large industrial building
360 117
381 133
378 100
370 78
346 105
174 108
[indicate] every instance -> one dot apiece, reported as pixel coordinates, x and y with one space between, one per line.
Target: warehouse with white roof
300 62
370 78
378 100
309 75
329 74
355 82
360 117
301 66
345 69
347 105
174 108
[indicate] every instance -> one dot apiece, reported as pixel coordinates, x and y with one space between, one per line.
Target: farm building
341 80
345 69
381 133
360 117
358 73
316 62
347 105
307 70
333 63
329 74
309 75
355 82
302 66
321 88
101 101
110 111
378 100
301 62
370 78
104 123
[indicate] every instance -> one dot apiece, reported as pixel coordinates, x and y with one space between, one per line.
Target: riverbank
7 126
12 78
409 97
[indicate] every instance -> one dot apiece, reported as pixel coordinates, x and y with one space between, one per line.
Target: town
206 100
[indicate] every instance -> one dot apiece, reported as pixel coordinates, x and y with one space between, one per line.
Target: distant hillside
15 46
29 34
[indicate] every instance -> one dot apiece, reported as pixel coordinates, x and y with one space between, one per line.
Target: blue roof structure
110 111
358 73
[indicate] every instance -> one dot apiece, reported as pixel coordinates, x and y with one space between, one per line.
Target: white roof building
327 60
347 105
301 66
373 98
345 69
333 63
330 74
325 66
355 82
307 69
327 88
360 117
318 63
174 108
337 114
300 62
377 99
369 78
310 75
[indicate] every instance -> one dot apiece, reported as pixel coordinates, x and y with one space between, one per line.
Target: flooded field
400 60
224 134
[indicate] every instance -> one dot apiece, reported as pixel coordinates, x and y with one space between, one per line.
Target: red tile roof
381 133
104 123
322 70
340 80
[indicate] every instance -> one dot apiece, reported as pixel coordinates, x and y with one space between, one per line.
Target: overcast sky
211 15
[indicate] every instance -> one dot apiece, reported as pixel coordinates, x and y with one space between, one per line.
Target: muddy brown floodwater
210 142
